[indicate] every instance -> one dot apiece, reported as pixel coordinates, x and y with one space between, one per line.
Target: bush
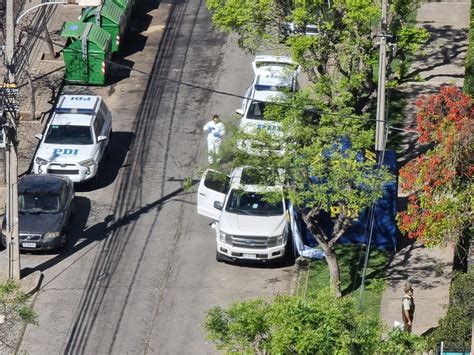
15 312
455 328
317 324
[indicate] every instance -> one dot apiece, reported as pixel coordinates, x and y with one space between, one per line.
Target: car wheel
107 148
219 258
63 242
73 212
290 252
94 183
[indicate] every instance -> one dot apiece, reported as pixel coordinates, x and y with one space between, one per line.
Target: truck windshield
35 203
253 203
67 134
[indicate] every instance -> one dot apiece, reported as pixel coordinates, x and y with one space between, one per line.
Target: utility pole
380 123
11 158
11 166
9 40
52 54
380 132
10 109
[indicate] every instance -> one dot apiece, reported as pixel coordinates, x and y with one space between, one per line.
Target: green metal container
126 6
87 53
110 17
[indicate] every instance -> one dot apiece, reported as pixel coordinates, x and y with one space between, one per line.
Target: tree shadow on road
445 53
422 270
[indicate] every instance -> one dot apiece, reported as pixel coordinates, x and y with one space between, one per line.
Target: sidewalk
47 76
429 271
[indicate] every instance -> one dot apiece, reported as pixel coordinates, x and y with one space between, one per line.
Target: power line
214 91
371 222
226 93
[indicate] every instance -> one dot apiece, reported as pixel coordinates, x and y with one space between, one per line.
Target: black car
45 208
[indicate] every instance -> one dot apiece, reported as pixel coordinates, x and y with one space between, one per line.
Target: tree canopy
320 324
325 128
324 157
455 328
341 58
439 182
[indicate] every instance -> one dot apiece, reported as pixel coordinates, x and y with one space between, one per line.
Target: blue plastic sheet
384 230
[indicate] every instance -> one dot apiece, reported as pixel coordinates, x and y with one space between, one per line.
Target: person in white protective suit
215 131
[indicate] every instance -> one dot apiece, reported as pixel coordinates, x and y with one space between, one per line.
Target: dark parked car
45 208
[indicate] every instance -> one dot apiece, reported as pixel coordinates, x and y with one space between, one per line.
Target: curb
301 268
31 283
28 284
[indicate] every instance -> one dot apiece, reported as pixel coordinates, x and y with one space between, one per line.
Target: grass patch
351 262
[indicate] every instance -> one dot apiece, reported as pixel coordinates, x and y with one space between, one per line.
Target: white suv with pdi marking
275 77
75 139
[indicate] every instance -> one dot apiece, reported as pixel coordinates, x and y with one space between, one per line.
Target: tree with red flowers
439 182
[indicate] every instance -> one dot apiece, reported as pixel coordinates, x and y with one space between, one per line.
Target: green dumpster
87 53
126 6
110 17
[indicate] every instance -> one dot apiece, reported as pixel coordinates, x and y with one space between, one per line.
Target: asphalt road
139 272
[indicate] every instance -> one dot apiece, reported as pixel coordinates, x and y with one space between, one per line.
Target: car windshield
252 203
38 203
256 110
67 134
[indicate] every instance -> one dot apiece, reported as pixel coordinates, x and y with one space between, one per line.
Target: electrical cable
371 223
220 92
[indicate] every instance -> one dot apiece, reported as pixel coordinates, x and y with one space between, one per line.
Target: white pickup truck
249 225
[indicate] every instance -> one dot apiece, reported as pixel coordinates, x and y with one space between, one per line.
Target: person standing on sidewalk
215 131
408 308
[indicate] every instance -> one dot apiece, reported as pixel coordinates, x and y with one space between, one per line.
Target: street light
70 2
52 54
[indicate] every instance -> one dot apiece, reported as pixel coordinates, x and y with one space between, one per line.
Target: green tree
324 164
15 312
341 60
320 324
455 328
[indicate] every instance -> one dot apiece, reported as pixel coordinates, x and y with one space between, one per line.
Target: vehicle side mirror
240 112
218 205
101 138
39 136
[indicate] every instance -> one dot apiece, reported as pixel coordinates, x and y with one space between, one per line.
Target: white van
248 226
76 138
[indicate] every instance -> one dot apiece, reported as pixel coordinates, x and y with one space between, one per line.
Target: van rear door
214 186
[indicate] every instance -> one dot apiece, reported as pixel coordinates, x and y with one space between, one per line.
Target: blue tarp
384 230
